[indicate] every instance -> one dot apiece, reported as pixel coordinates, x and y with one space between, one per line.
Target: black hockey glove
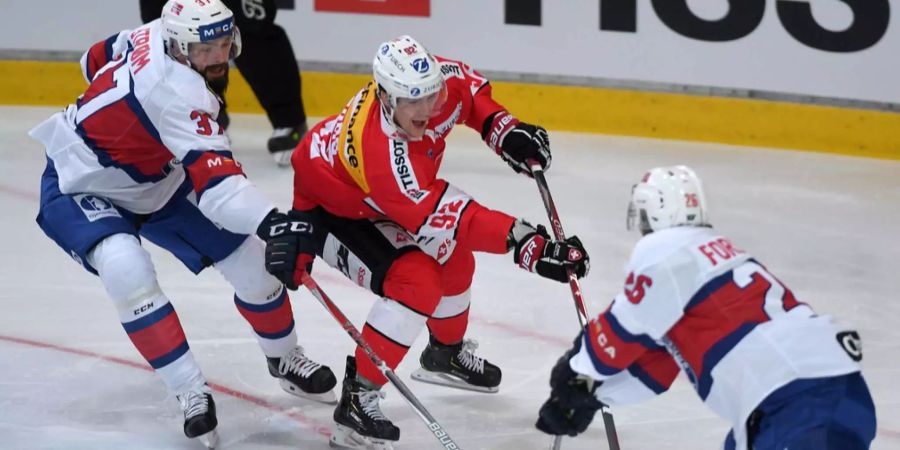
290 248
572 404
517 142
536 252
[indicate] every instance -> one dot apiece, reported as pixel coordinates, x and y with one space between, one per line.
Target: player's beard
219 81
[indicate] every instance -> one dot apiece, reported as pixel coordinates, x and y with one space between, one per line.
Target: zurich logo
414 92
384 49
420 64
92 203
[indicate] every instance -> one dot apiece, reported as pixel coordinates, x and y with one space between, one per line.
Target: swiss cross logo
401 237
691 200
574 254
635 287
410 50
443 249
176 9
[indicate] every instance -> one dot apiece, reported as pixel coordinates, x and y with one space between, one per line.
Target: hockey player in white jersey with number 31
141 156
783 376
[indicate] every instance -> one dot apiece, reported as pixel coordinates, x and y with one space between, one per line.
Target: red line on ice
262 403
19 193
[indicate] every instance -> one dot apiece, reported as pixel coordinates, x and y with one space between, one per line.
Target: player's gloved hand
518 142
536 252
290 248
572 404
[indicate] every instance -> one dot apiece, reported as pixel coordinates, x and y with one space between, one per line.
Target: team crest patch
95 208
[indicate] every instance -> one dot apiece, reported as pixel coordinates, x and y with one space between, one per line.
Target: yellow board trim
738 121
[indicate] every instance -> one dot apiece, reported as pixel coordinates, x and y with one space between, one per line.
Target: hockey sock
450 319
391 352
272 321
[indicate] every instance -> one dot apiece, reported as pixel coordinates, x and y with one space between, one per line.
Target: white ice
70 379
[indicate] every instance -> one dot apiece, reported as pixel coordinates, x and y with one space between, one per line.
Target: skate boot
303 377
457 366
359 421
200 415
283 141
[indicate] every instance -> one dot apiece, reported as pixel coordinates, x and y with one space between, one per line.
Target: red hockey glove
536 252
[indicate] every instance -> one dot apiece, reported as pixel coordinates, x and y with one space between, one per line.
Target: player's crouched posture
368 179
140 155
784 377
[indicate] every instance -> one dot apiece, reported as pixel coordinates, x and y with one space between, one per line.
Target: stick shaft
436 429
612 437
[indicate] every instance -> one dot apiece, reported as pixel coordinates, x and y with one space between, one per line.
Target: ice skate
457 366
303 377
200 416
360 423
283 141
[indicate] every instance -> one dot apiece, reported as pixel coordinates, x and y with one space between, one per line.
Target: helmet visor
429 105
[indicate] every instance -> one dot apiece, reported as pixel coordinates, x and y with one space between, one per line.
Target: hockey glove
517 142
536 252
290 248
572 403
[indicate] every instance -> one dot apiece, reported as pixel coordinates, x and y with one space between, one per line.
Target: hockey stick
611 436
435 428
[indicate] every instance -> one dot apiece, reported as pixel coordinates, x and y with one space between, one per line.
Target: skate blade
344 437
444 379
326 397
210 440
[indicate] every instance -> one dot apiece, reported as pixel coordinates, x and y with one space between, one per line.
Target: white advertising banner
844 49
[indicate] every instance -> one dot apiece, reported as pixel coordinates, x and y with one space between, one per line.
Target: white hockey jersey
693 300
144 124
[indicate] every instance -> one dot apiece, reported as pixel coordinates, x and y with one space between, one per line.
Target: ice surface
69 378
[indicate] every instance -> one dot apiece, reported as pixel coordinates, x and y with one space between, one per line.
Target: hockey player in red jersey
784 377
140 155
388 221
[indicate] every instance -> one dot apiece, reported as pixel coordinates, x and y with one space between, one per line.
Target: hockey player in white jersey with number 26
141 156
783 376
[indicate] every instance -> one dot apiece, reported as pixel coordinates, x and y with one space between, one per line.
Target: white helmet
186 22
405 69
667 197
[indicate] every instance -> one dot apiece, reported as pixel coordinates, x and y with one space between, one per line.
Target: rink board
739 121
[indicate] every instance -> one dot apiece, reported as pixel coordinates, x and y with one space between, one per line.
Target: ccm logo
293 227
